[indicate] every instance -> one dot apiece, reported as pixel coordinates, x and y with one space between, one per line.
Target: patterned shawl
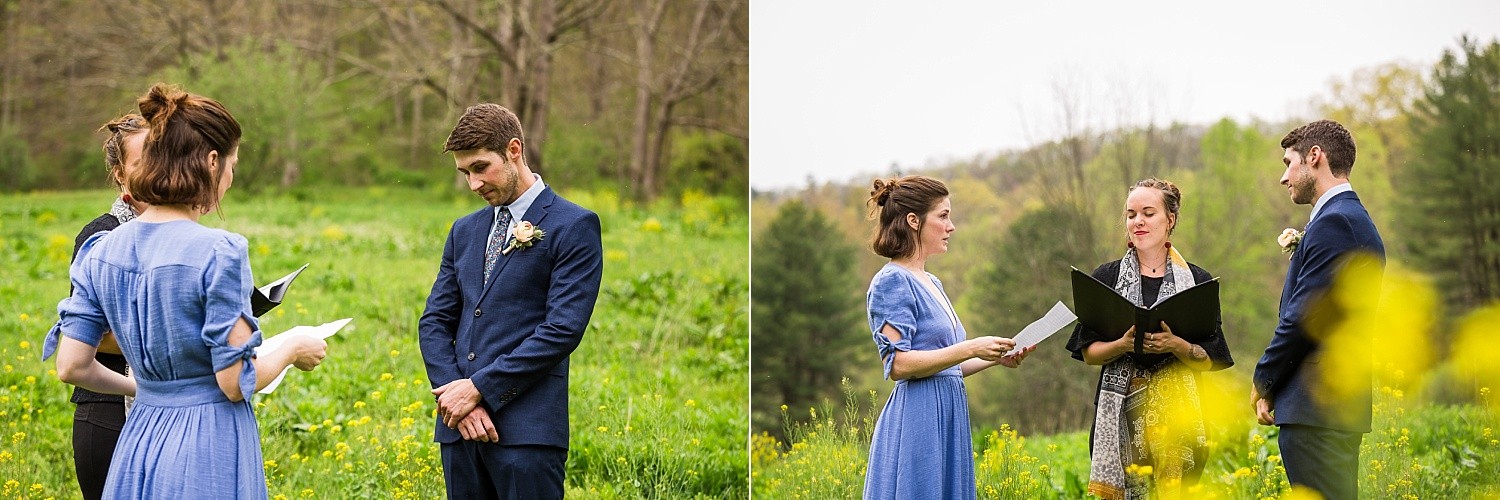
1146 415
122 210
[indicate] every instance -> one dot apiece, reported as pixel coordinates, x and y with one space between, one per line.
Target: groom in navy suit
513 296
1320 434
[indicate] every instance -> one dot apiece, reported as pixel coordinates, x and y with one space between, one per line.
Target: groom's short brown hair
1331 137
484 125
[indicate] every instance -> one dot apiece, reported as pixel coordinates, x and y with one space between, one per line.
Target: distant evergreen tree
1451 190
806 312
1023 278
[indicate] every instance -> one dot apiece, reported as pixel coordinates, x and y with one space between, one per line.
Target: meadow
1416 451
657 386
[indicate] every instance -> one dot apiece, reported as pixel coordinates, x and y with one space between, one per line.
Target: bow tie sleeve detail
892 302
80 316
888 350
227 286
225 355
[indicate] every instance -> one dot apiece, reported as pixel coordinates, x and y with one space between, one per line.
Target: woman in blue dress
176 295
921 446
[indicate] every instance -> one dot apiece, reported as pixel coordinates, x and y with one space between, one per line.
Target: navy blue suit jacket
1286 372
512 336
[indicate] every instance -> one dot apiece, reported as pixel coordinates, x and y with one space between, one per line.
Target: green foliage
657 386
711 162
1453 205
300 127
1218 202
806 312
1022 278
15 161
824 454
580 155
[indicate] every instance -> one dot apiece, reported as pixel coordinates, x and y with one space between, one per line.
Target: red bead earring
1169 245
1129 244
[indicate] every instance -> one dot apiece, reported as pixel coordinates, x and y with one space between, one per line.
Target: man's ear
1314 155
514 149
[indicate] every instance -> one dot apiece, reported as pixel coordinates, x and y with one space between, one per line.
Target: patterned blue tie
497 242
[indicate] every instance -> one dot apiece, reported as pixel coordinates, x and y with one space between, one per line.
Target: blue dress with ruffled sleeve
921 446
171 292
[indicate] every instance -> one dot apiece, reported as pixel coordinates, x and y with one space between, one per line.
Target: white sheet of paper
1054 321
270 345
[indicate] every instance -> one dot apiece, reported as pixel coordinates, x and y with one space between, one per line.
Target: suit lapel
535 214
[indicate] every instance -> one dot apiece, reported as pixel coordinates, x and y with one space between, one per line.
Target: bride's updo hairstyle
183 128
890 201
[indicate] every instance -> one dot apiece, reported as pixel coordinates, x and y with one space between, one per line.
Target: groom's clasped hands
458 404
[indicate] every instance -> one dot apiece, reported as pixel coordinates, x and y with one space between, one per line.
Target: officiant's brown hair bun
890 201
174 167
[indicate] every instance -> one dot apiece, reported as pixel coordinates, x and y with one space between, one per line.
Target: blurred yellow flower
334 233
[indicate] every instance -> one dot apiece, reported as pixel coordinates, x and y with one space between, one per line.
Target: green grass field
657 387
1416 451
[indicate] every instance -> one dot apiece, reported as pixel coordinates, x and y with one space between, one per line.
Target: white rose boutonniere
524 235
1289 240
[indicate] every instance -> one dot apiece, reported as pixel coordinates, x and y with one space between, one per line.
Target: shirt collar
519 207
1323 200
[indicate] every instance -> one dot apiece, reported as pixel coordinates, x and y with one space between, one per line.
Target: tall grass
657 392
1415 451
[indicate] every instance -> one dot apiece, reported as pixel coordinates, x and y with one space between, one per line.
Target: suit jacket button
478 313
471 356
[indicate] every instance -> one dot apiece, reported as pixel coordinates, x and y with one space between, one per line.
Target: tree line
650 96
1428 168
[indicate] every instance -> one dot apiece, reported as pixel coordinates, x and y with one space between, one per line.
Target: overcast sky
844 89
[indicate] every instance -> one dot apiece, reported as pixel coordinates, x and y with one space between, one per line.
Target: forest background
1428 156
648 97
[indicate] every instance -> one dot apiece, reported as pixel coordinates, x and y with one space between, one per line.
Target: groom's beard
1304 187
